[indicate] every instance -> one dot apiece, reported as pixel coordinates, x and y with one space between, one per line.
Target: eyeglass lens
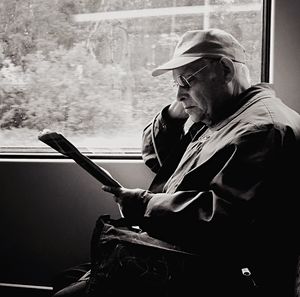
185 82
182 81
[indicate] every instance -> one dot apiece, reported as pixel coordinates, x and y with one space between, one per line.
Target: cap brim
173 64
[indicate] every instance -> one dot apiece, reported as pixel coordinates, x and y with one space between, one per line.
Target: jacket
238 195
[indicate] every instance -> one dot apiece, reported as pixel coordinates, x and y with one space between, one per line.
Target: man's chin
196 118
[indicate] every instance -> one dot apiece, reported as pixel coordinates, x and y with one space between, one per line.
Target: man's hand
123 195
176 111
133 202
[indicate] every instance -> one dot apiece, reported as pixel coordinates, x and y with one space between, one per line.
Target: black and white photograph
149 148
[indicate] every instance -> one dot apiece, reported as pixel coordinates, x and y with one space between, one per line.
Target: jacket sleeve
239 188
160 138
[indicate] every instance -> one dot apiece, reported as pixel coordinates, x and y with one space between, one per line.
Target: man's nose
181 94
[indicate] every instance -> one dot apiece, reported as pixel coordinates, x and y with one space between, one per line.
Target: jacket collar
246 99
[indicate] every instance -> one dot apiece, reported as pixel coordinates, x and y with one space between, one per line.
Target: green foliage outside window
92 80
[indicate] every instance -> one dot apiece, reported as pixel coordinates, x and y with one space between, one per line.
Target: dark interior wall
286 66
48 212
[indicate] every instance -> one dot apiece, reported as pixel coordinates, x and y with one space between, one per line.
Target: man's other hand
132 201
176 111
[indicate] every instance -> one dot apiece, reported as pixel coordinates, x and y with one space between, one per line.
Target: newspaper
59 143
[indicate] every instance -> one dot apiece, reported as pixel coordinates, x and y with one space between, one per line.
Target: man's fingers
113 190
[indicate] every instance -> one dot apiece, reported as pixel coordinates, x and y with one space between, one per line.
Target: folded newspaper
59 143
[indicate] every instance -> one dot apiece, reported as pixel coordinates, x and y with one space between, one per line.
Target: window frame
266 41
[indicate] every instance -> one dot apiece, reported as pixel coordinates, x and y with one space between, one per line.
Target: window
83 67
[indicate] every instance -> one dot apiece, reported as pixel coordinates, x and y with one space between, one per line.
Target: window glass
83 67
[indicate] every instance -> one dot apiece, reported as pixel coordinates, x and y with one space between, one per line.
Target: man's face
207 95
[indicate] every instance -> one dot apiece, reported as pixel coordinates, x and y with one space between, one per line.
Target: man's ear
228 69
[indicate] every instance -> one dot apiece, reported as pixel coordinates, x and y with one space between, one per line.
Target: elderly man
223 199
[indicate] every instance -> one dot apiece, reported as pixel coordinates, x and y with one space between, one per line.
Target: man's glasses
185 82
